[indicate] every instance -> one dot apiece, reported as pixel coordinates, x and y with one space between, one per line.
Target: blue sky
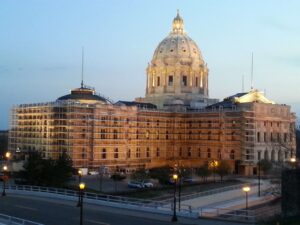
40 46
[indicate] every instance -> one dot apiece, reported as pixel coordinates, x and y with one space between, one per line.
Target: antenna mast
252 72
82 62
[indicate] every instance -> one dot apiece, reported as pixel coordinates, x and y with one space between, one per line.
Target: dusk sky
41 41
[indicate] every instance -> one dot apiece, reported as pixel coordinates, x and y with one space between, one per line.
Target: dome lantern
178 25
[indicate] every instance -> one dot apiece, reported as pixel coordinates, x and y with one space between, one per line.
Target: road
59 212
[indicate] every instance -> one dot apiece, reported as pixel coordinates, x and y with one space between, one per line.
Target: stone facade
171 125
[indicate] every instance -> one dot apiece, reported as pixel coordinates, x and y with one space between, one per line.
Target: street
58 212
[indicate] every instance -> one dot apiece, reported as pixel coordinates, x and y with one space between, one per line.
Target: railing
248 216
214 191
10 220
159 205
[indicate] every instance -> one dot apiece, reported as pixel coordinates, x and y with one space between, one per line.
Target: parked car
189 180
93 173
135 184
147 184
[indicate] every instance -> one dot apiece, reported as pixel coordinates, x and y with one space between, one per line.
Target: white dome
177 47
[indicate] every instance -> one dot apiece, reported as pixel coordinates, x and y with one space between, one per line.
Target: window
102 134
231 156
197 81
219 154
259 155
103 154
147 152
180 151
170 80
128 153
116 153
158 81
209 135
265 136
184 80
208 153
189 152
167 135
115 134
199 152
258 136
157 152
138 153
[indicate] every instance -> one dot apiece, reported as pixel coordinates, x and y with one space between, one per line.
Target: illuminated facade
171 125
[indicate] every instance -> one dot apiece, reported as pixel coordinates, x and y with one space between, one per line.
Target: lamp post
293 162
258 167
214 164
7 155
79 182
81 188
246 190
4 180
174 218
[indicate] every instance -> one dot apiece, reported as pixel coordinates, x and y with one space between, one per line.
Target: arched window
232 154
266 156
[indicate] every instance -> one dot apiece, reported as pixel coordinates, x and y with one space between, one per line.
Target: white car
135 184
93 173
147 184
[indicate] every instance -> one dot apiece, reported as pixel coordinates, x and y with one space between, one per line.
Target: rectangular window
116 153
197 81
157 152
189 152
102 134
128 153
115 134
148 152
170 81
265 136
158 81
258 137
103 155
138 153
184 80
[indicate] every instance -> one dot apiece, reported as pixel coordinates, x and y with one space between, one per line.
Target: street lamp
174 218
79 182
258 167
81 191
7 155
4 179
293 162
214 164
246 190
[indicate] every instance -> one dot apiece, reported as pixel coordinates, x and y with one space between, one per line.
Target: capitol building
175 123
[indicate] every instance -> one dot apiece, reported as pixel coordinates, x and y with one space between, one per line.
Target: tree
223 169
140 175
47 172
265 165
203 172
162 174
